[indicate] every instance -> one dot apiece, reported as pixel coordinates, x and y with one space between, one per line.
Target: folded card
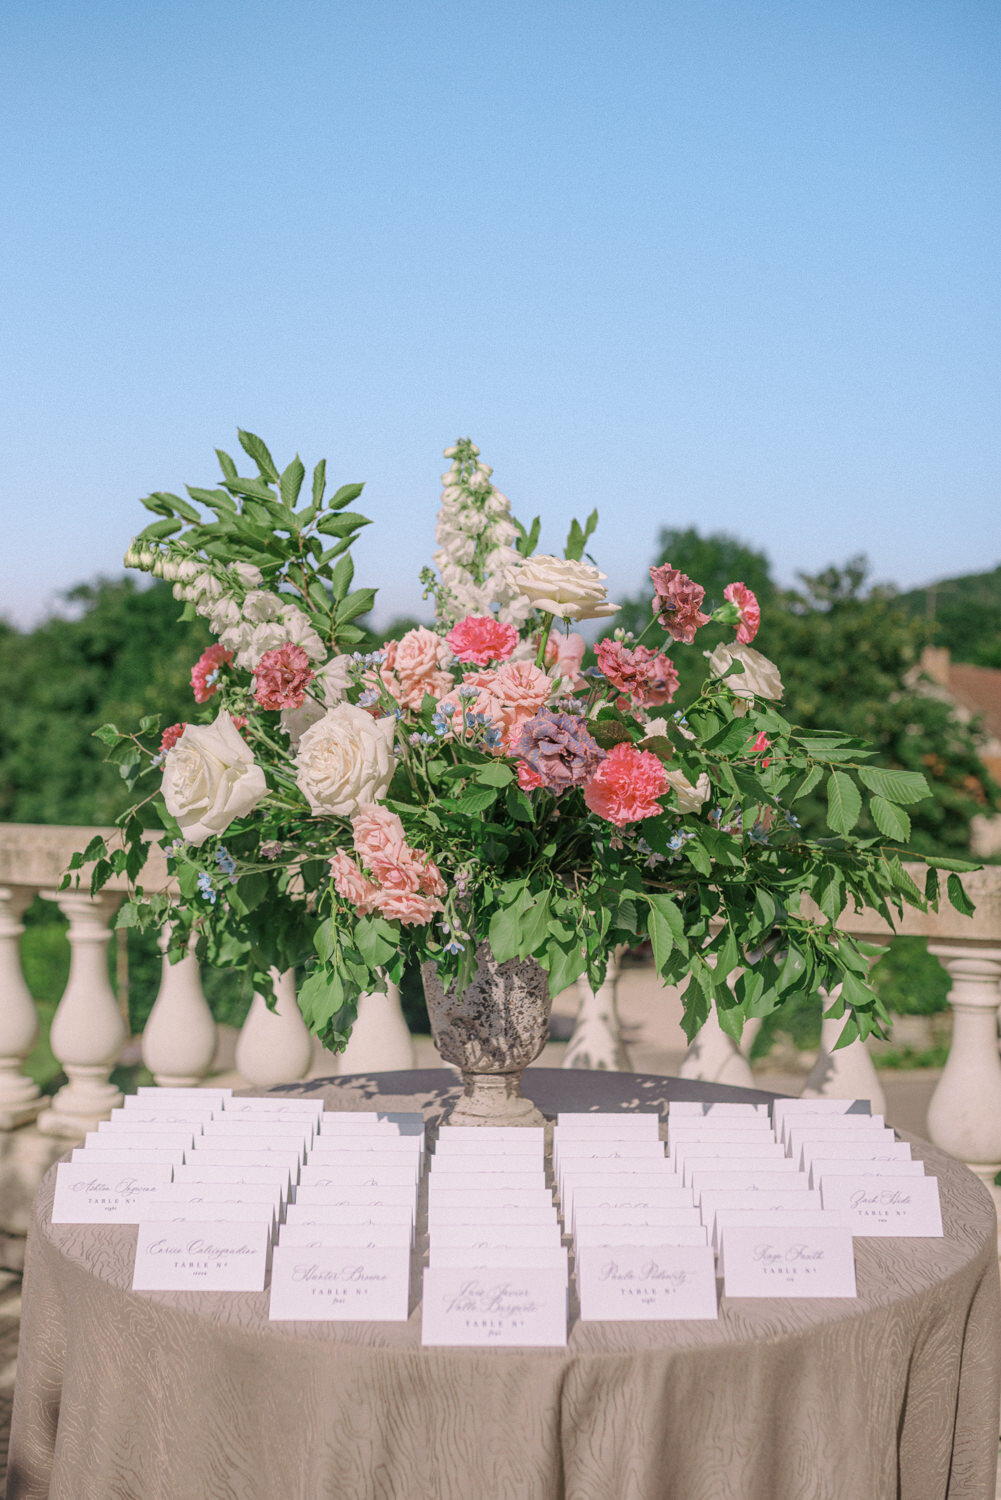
484 1215
747 1166
501 1257
797 1135
758 1200
105 1194
358 1195
508 1139
231 1157
338 1283
160 1117
839 1166
736 1111
144 1156
160 1209
209 1256
886 1206
405 1147
272 1105
783 1108
117 1136
808 1124
444 1184
628 1187
497 1308
634 1124
648 1283
520 1235
254 1127
350 1213
377 1169
625 1197
176 1096
360 1236
235 1176
465 1163
473 1200
212 1193
773 1261
283 1147
773 1180
392 1122
603 1214
590 1235
854 1149
784 1218
731 1146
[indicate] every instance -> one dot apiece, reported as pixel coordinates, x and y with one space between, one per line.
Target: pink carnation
645 678
566 652
482 639
282 676
376 831
750 611
240 721
208 665
677 603
626 786
414 666
350 883
171 735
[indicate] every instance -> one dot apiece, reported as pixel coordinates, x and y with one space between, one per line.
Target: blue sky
696 262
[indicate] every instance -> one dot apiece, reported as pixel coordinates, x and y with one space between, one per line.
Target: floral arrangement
340 811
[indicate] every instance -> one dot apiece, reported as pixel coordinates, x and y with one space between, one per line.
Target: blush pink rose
209 663
677 603
376 830
407 907
626 786
522 685
282 676
350 883
566 652
482 639
750 611
414 666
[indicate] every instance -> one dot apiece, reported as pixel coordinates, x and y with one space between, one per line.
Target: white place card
802 1125
797 1134
474 1200
447 1183
482 1216
590 1235
350 1213
145 1157
406 1147
376 1169
783 1218
235 1177
736 1111
160 1210
772 1261
501 1257
634 1125
624 1198
687 1107
637 1184
756 1200
509 1140
283 1147
705 1127
649 1283
465 1307
604 1214
175 1096
374 1174
340 1283
907 1207
734 1148
783 1108
277 1128
466 1163
209 1256
822 1167
520 1235
160 1117
156 1140
866 1149
211 1156
770 1181
389 1194
273 1106
747 1166
209 1194
359 1236
105 1194
405 1122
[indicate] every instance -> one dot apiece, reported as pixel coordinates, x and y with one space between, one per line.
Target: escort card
797 1135
512 1140
339 1283
330 1172
520 1235
886 1206
406 1147
623 1198
152 1092
805 1124
783 1218
503 1308
160 1209
156 1140
293 1104
209 1194
501 1257
636 1125
162 1117
358 1195
635 1185
473 1201
682 1151
747 1166
772 1261
209 1256
783 1108
361 1236
144 1157
590 1235
703 1127
822 1167
287 1148
350 1213
234 1176
212 1156
374 1174
279 1128
447 1183
865 1149
638 1282
760 1202
466 1163
736 1111
770 1181
105 1194
489 1215
338 1122
604 1214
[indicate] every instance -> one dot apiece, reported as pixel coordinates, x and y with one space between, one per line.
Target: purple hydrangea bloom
559 749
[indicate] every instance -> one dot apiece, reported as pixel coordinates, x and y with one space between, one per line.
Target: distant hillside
964 614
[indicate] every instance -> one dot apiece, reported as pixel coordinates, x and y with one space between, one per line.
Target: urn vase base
493 1099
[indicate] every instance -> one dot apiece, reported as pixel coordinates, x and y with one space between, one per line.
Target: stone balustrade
179 1041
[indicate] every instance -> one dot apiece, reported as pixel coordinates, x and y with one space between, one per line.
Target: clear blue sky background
729 263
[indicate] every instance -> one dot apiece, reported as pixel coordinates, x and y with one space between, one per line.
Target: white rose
345 759
331 683
210 777
760 677
559 586
690 798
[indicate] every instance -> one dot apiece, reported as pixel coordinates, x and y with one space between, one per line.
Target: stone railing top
36 855
947 925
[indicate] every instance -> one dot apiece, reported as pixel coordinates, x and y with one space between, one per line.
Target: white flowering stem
547 625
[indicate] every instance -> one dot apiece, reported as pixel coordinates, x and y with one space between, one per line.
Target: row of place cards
225 1191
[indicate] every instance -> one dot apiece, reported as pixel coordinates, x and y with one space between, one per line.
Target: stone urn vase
491 1033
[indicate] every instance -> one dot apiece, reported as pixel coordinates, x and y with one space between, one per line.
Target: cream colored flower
330 684
560 586
690 798
345 759
759 679
210 777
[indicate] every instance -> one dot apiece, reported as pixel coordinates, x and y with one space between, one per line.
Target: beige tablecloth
124 1395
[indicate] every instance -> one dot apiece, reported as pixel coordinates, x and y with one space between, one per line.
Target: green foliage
962 614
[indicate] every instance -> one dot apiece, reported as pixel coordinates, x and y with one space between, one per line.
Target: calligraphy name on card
339 1283
214 1255
630 1282
465 1307
776 1261
105 1194
882 1207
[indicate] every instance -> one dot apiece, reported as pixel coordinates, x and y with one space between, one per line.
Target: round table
126 1395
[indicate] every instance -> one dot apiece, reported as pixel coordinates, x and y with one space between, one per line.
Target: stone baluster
964 1116
842 1072
179 1040
714 1057
380 1039
597 1036
87 1029
274 1046
20 1098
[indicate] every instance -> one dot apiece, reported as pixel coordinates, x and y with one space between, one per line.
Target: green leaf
357 603
894 786
157 530
476 800
290 482
226 464
505 927
341 577
342 525
843 802
496 774
534 926
575 542
258 451
344 496
829 892
665 926
931 887
961 866
607 733
958 896
698 857
108 734
518 805
320 996
808 783
319 482
890 819
376 940
564 965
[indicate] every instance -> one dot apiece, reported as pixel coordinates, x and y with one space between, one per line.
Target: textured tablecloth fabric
124 1395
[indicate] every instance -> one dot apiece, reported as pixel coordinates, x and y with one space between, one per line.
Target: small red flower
171 735
208 665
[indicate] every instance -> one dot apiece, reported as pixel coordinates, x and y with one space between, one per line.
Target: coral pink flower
626 786
528 779
406 907
350 883
761 742
677 603
566 652
240 721
750 611
413 666
408 886
207 665
645 679
396 868
522 685
482 639
282 676
171 735
376 831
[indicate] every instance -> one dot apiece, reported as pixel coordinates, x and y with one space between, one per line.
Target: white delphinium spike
475 536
